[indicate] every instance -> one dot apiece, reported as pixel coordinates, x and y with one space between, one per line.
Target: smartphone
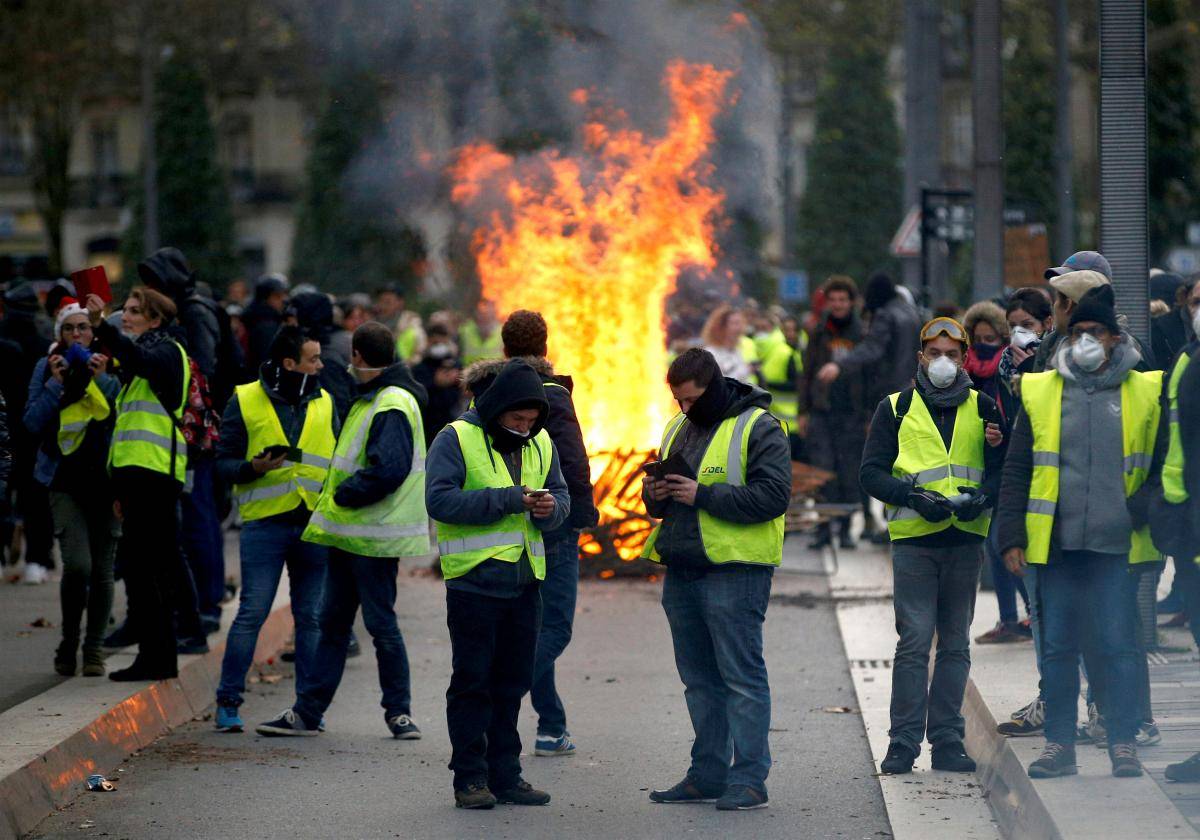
651 468
538 493
276 451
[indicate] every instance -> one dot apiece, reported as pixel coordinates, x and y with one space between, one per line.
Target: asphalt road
626 713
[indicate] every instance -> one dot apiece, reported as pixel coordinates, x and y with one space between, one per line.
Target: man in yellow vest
479 338
1077 484
721 498
933 456
277 439
495 486
370 513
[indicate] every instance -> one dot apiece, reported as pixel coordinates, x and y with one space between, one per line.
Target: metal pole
1064 185
922 92
149 156
986 94
1123 202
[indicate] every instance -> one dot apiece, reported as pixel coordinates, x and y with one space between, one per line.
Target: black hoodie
167 271
314 314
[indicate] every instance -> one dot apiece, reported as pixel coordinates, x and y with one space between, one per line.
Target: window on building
105 164
236 148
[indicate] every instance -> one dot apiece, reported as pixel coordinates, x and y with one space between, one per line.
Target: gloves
932 505
973 507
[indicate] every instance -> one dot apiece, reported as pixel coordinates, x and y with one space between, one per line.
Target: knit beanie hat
1097 305
69 307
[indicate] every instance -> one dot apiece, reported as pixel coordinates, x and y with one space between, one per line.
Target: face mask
984 351
942 372
1088 353
1022 337
515 432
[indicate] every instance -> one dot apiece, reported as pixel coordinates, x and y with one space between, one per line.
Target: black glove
973 507
932 505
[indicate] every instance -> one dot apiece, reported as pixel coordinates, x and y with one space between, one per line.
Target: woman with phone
70 414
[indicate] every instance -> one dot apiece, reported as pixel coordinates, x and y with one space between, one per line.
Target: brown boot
93 663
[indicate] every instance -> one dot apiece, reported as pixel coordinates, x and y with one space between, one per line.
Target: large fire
595 242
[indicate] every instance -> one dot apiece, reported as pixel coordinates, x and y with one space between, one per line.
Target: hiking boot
741 798
288 723
475 796
1056 760
689 790
523 793
952 757
64 658
403 728
1030 720
1185 771
1148 734
1125 764
1003 633
554 745
899 759
93 663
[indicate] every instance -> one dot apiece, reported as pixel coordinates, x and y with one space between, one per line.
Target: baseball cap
1076 284
1082 261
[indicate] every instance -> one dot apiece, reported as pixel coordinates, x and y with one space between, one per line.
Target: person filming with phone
277 438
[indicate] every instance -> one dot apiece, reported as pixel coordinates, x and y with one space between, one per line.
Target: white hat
1074 284
70 307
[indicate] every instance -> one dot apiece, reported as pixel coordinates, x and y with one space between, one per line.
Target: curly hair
524 334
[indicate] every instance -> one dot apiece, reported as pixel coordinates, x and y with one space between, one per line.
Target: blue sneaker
228 719
552 745
288 723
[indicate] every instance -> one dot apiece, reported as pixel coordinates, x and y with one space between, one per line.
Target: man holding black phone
277 438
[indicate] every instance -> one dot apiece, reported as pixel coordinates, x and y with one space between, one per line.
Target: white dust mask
1088 353
942 372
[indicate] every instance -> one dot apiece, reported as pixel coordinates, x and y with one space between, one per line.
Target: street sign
907 241
793 285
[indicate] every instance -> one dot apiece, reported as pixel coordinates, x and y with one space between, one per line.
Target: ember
595 242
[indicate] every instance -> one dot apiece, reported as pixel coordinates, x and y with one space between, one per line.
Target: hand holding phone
271 458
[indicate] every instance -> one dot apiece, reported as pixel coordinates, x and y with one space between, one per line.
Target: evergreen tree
340 243
851 203
1028 111
194 210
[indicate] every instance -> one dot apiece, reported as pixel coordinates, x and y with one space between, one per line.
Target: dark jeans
203 545
151 564
87 535
1006 584
716 628
1187 584
267 545
492 641
371 582
934 591
33 505
1085 605
559 590
835 443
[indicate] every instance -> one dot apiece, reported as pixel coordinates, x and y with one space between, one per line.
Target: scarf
709 409
950 397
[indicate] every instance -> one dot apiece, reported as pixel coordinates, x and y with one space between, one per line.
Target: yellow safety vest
1174 490
293 484
923 459
725 461
463 547
146 435
784 402
1041 397
473 347
396 525
406 343
73 420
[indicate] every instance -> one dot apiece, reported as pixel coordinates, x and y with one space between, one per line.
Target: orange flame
595 243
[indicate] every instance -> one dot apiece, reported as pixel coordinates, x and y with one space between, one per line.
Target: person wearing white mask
1085 462
933 457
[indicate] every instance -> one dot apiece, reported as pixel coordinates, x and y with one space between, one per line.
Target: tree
1029 109
851 204
194 210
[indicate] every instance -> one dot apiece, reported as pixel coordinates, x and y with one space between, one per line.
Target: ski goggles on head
944 326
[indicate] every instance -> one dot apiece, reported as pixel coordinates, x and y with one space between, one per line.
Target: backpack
201 424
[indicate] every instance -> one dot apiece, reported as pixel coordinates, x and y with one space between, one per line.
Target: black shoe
1125 764
122 637
741 798
353 649
953 758
143 673
209 625
64 658
1056 760
821 540
847 542
191 646
1185 771
899 759
403 728
523 793
475 796
689 790
288 656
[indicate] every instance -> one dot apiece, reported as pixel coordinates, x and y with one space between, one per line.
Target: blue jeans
200 534
1085 606
1006 584
716 627
266 546
558 590
934 590
353 580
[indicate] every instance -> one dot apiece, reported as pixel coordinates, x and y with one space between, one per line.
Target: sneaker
93 663
1002 634
192 647
952 757
1030 720
1148 734
403 728
35 574
288 723
552 745
1185 771
1125 764
523 793
228 719
1025 628
1056 760
687 791
741 798
899 759
475 796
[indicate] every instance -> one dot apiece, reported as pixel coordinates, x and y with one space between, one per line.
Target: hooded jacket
445 473
314 314
167 271
830 342
888 353
765 495
1176 527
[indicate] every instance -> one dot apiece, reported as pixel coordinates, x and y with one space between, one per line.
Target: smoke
461 72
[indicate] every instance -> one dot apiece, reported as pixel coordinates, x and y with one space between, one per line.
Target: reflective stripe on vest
1174 490
146 435
395 526
1041 398
724 462
923 460
463 547
293 484
73 420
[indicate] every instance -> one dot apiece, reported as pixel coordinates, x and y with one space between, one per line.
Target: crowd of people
343 435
